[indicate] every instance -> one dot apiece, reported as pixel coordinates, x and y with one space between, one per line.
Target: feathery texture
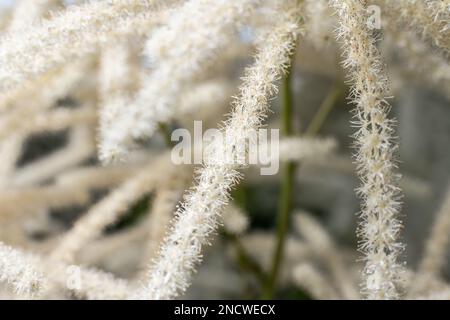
429 18
74 33
31 276
118 73
380 227
179 52
19 270
197 218
134 66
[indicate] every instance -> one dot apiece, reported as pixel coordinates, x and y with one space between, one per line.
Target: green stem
325 108
164 129
245 262
287 188
289 170
286 112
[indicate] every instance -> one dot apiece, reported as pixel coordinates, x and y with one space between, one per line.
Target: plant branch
287 187
325 108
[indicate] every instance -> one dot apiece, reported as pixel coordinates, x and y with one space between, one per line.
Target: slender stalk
164 130
286 113
285 206
246 263
287 187
325 108
197 217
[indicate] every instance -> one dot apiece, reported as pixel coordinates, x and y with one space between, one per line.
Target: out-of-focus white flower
179 52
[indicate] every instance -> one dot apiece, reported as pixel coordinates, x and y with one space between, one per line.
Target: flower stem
325 108
289 170
165 132
287 187
245 262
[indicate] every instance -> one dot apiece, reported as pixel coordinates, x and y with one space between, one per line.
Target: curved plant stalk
197 218
379 227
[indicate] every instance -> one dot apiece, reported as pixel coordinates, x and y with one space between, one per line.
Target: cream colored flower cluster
380 227
86 84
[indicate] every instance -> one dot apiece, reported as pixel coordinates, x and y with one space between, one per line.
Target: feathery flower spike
197 217
379 229
180 51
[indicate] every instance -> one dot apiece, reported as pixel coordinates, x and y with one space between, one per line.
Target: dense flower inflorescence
197 217
178 52
111 73
74 33
380 227
19 271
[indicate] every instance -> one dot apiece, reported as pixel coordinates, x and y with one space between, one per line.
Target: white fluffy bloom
31 276
19 270
74 33
197 218
179 52
429 18
379 229
118 72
